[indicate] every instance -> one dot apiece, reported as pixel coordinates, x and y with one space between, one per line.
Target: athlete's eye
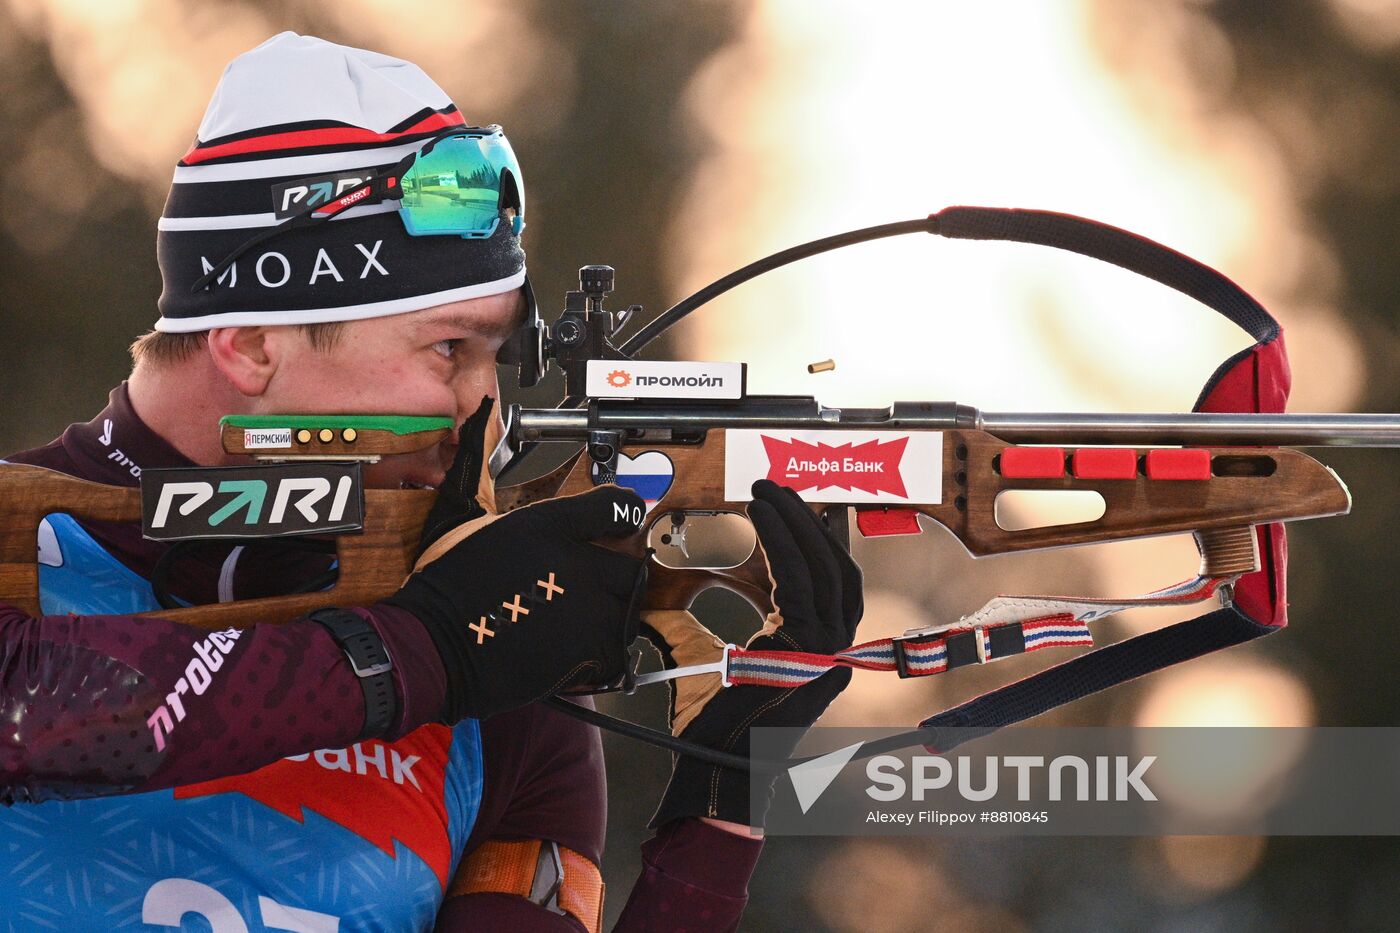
447 347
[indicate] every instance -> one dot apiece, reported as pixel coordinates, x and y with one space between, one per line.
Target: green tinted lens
456 187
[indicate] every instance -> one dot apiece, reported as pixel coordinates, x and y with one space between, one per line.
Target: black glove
523 605
818 603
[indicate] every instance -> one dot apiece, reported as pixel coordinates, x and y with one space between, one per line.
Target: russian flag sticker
649 475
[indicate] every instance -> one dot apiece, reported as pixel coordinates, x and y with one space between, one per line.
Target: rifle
690 440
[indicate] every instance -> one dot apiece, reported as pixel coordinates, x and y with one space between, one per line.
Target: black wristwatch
370 661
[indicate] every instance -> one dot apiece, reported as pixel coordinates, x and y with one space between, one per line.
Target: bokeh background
679 140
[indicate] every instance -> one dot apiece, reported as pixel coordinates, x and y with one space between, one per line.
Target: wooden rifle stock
373 564
1252 486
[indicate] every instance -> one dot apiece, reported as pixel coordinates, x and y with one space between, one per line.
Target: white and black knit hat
294 116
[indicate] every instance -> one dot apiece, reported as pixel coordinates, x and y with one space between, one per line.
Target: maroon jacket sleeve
95 705
693 876
545 780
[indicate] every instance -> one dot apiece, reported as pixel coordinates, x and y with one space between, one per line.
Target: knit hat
292 119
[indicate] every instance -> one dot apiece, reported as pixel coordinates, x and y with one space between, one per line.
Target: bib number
169 900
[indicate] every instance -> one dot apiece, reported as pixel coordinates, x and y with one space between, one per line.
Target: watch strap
370 661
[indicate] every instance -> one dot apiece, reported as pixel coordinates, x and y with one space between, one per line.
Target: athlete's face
438 361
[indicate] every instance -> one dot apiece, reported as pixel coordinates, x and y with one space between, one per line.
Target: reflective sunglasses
458 184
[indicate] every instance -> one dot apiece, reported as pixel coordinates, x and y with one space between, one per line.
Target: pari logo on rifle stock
838 466
273 500
664 379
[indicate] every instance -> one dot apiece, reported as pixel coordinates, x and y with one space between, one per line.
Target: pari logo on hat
295 123
291 197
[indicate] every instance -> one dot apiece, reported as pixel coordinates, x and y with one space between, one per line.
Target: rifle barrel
801 413
1198 428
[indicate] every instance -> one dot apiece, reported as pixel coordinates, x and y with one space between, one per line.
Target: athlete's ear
247 356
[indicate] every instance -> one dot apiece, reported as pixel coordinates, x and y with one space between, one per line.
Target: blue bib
363 838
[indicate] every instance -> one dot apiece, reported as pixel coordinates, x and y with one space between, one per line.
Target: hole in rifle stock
1024 509
1243 465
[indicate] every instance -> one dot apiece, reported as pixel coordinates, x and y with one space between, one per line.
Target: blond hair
157 348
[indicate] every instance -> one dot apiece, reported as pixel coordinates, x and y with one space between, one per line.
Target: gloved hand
523 605
818 602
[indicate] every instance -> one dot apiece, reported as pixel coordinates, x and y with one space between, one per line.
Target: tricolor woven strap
1007 625
910 656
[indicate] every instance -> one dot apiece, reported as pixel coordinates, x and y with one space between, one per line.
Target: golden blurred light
820 121
1375 23
488 58
874 893
1187 869
1175 68
823 122
41 217
1239 692
142 71
1248 767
